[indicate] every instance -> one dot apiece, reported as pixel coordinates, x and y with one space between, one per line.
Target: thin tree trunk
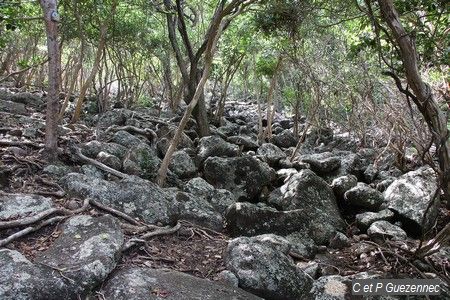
49 7
270 106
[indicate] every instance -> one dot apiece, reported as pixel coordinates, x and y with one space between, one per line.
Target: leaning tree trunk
54 77
423 97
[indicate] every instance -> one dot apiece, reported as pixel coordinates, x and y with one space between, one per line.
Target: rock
363 195
302 245
57 171
383 185
385 230
310 193
92 171
322 163
13 107
364 220
271 153
134 283
165 135
410 195
244 176
333 287
22 280
245 141
134 196
220 199
215 146
109 160
199 211
13 206
93 148
342 184
182 165
228 278
370 173
249 219
285 139
30 132
27 99
113 117
340 241
87 250
142 160
126 139
228 130
263 267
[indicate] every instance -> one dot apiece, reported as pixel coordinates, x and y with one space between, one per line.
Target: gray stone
312 195
285 139
113 117
302 244
322 163
92 171
244 176
109 160
364 220
125 138
87 251
30 132
363 195
271 153
57 171
134 283
182 165
199 211
93 148
228 278
135 196
13 107
22 280
15 206
340 241
342 184
142 160
385 230
220 199
246 142
263 267
411 194
215 146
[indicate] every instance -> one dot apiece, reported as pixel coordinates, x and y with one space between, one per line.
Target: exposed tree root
98 164
21 143
116 212
143 239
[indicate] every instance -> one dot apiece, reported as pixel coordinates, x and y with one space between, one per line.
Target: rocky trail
236 220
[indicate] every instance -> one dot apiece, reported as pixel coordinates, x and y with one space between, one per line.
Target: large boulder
134 283
410 195
20 279
322 163
135 196
364 220
342 184
381 230
93 148
13 206
13 107
215 146
87 251
363 195
142 160
310 193
249 219
246 142
182 164
263 267
220 199
245 176
271 153
285 139
199 211
126 139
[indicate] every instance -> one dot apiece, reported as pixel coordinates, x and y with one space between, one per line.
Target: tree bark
49 8
423 97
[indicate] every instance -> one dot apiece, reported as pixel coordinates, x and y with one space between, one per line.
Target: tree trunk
54 78
423 97
270 106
